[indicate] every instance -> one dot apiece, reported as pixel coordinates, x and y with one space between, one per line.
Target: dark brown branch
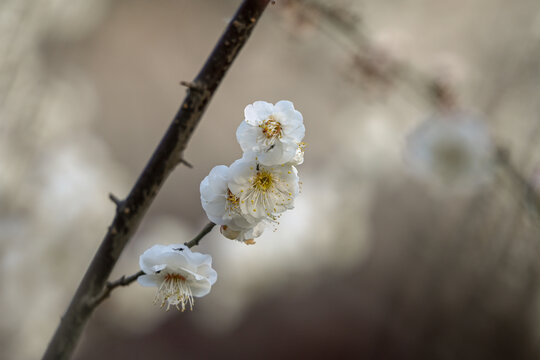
165 158
198 238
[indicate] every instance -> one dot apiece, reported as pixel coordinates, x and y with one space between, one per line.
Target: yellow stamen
263 181
271 128
175 291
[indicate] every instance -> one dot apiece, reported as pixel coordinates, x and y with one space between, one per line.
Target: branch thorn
190 85
116 200
188 164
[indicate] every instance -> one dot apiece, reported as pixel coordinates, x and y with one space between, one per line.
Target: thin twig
123 281
165 158
198 238
186 163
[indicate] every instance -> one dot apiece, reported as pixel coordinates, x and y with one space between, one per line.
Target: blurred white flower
453 150
223 207
179 274
263 191
272 132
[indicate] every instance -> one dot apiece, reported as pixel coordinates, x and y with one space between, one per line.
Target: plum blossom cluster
241 198
453 151
256 189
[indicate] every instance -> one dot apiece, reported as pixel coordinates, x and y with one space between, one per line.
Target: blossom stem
166 157
195 241
123 281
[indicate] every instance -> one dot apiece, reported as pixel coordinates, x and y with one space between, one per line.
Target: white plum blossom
453 150
263 191
257 188
272 132
223 207
179 274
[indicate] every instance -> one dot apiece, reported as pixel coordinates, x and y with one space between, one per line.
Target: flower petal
150 280
246 135
263 109
284 105
152 257
200 288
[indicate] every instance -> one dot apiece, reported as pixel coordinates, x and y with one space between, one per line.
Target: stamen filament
174 290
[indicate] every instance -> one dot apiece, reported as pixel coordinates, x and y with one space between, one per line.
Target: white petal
197 258
275 156
246 135
214 194
294 132
152 257
257 112
251 116
263 109
215 210
284 105
176 260
252 233
157 268
200 288
241 171
150 280
209 273
218 179
169 255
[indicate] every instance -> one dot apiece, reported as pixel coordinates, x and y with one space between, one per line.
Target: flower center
233 203
232 199
175 291
271 128
451 160
263 181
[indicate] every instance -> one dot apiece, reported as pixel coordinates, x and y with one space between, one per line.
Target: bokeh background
372 263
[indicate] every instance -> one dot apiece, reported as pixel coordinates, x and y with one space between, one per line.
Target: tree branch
166 157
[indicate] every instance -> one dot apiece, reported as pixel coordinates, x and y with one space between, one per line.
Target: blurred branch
125 281
375 65
530 196
166 157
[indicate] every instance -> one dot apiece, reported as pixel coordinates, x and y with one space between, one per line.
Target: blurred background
372 263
